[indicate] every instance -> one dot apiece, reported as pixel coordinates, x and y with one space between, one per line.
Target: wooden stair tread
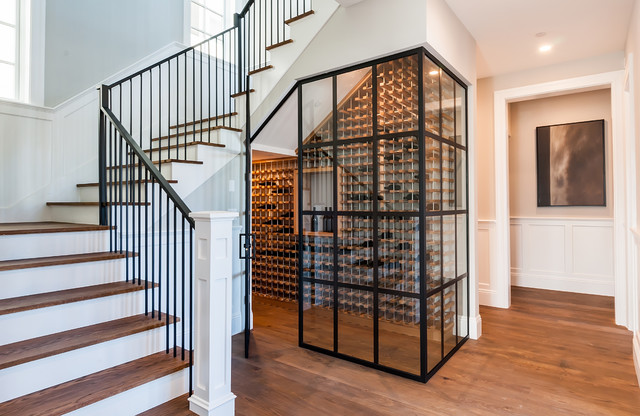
191 132
17 228
156 162
48 345
93 203
83 391
84 185
205 120
176 407
60 260
277 45
182 145
241 93
298 17
257 70
60 297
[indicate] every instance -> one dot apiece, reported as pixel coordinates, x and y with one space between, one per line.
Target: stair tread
241 93
89 184
16 228
92 203
83 391
277 45
182 145
60 297
176 407
156 162
257 70
48 345
191 132
60 260
298 17
205 120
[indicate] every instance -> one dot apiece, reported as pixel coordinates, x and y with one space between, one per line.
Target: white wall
88 40
632 54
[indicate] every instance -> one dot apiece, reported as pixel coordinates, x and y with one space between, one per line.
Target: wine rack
395 191
274 269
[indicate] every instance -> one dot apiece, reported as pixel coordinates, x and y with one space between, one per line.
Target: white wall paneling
486 251
567 254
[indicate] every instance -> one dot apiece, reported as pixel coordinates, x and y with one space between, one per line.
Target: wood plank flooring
551 353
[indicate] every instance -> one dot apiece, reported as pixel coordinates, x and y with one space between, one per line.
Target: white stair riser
35 280
141 398
232 122
142 193
136 173
50 371
75 214
52 244
44 321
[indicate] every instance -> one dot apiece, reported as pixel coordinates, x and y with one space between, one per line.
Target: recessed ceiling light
545 48
540 34
433 73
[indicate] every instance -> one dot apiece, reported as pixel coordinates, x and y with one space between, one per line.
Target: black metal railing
150 118
149 224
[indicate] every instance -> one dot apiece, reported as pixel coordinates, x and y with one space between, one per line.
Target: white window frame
17 26
227 17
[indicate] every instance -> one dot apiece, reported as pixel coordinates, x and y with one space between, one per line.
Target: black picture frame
570 161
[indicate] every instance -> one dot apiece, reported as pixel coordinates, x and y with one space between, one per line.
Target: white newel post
212 314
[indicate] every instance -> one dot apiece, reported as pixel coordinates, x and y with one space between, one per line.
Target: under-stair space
75 335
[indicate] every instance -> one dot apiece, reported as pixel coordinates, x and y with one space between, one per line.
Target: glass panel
448 106
398 174
448 178
432 173
355 177
317 251
461 122
461 244
398 95
215 5
317 180
355 323
355 250
434 340
431 76
7 81
317 315
432 259
461 179
355 104
463 312
399 333
399 254
317 111
8 12
449 247
7 44
450 339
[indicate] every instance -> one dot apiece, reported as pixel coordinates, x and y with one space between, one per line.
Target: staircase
85 326
74 334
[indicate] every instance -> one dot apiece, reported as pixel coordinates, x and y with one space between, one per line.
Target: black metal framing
375 215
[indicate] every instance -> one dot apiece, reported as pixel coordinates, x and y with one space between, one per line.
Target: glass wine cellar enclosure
382 220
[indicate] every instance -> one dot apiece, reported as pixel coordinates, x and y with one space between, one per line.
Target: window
207 19
9 49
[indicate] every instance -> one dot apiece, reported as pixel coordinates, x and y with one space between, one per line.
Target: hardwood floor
551 353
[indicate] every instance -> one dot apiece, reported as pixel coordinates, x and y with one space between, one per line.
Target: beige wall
524 117
485 134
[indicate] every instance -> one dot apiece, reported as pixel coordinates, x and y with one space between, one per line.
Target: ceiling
505 31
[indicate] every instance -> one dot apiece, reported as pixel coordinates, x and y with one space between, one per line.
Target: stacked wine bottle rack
274 269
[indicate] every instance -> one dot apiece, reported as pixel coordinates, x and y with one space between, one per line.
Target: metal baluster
190 310
160 254
182 315
209 91
146 244
185 107
175 279
153 248
201 89
193 97
167 310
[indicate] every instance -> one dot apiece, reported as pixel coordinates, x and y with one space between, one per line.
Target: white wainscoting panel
567 254
487 294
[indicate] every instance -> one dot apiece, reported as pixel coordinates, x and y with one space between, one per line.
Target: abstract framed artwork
571 164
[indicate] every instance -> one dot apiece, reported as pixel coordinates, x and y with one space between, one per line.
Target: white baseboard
636 353
588 285
475 327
